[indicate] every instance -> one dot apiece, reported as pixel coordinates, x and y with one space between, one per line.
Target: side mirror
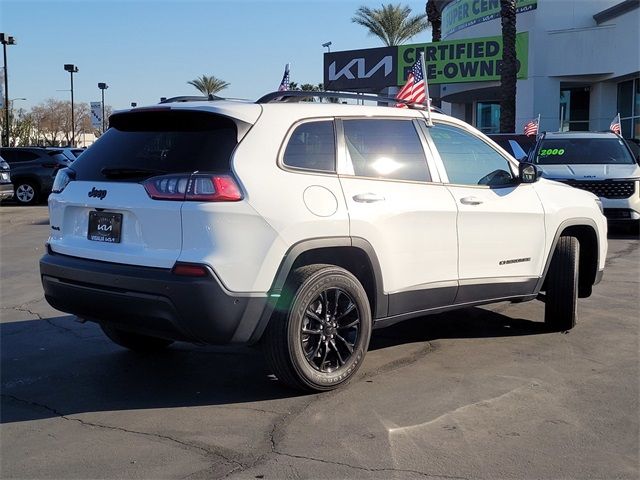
528 173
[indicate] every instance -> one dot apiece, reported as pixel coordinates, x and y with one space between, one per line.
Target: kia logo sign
386 62
370 69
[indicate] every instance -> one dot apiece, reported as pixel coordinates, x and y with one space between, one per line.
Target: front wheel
135 341
318 339
561 299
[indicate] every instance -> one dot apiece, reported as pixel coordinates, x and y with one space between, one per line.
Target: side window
388 149
468 160
312 147
7 155
22 156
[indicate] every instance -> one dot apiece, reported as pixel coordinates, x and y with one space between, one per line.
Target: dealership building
579 64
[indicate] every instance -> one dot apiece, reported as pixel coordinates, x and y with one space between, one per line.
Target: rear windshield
143 144
589 151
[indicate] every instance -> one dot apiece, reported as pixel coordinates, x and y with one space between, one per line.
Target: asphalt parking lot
482 393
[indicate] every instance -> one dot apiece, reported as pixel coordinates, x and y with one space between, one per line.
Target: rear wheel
561 299
318 340
135 341
26 192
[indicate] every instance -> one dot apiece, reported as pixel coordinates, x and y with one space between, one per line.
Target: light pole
327 45
6 40
102 86
71 68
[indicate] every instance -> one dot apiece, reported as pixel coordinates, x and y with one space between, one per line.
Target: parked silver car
6 187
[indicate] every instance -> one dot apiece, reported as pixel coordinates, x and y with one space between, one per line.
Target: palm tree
393 24
433 8
509 70
209 85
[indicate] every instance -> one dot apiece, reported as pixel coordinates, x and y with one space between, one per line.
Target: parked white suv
599 162
303 226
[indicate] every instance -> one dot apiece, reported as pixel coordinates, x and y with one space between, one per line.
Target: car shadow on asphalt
56 367
470 322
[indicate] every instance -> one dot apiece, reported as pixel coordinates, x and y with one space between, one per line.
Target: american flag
284 84
531 128
415 88
615 125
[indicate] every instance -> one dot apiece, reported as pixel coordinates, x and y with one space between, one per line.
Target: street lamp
327 45
71 68
102 86
6 40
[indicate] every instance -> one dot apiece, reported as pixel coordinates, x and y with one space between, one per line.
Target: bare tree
48 118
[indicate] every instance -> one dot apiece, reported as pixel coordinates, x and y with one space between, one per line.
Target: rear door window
389 149
143 144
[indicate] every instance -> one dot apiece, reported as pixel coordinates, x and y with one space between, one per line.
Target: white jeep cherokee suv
303 226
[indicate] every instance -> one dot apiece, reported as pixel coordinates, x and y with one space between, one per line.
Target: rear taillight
63 177
198 187
190 270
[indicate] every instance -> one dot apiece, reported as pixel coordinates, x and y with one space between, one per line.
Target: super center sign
472 60
461 14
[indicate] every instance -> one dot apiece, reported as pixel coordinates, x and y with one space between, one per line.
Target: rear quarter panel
281 197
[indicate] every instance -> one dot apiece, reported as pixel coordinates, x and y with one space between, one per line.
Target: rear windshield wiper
129 172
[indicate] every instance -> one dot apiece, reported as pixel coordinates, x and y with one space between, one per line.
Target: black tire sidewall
562 295
330 277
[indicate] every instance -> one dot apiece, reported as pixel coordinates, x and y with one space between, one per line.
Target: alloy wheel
330 330
25 193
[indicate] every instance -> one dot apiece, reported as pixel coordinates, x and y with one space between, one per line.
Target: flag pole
426 89
538 127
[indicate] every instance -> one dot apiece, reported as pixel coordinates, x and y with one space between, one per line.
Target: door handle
368 198
470 201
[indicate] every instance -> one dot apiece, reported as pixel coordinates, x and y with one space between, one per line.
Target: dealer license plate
105 227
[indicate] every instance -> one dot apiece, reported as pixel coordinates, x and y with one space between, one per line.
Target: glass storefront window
629 108
574 109
488 117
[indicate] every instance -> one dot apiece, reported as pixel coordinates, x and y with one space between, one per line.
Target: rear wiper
126 172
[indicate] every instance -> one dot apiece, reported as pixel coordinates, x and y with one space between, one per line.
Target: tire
26 192
561 299
318 337
135 341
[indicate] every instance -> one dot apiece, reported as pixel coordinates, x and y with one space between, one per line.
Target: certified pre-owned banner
370 69
470 60
461 14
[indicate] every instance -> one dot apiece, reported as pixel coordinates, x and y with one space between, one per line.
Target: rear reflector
197 187
190 270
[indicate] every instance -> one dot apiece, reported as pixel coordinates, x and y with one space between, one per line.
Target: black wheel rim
330 330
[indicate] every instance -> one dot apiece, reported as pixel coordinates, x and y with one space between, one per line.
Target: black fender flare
572 222
294 252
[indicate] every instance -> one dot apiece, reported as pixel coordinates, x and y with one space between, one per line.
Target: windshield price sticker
551 152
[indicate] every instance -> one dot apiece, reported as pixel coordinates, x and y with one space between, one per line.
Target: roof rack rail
191 98
298 95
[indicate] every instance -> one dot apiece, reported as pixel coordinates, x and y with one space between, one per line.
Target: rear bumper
151 301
